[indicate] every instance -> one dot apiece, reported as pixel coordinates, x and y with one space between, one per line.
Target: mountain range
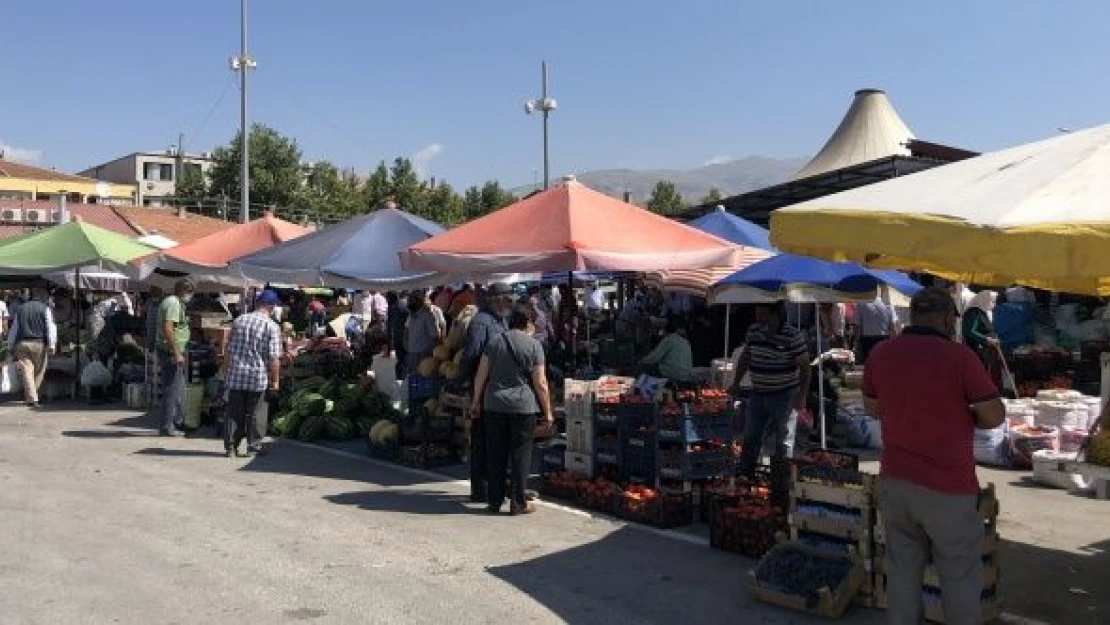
732 178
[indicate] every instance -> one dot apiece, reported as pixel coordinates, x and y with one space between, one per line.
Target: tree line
322 193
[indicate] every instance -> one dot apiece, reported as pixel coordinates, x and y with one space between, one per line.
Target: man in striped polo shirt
777 358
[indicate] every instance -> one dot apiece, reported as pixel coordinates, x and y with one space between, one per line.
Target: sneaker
254 451
527 508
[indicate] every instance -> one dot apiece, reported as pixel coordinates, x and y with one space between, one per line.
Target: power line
193 134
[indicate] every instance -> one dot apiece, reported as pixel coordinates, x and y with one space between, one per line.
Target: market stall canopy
210 255
754 243
569 228
91 278
158 241
1037 214
723 224
800 279
357 253
69 246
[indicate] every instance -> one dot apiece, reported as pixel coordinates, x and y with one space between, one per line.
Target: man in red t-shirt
930 393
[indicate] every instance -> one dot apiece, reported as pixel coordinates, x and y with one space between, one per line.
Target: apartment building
155 174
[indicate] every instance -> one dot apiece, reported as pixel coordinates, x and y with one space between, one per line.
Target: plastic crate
693 428
637 457
636 415
679 464
665 511
422 388
606 414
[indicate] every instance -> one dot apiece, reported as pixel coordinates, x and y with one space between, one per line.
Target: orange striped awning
697 281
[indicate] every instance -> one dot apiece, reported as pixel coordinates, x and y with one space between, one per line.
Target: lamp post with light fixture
547 106
241 64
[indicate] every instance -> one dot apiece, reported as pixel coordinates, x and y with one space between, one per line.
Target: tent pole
80 324
728 319
820 374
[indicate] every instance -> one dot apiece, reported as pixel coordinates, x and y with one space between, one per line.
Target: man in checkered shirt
253 371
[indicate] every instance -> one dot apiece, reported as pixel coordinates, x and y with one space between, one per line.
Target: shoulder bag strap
520 364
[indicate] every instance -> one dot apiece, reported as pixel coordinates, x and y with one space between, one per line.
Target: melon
389 433
459 357
427 367
441 353
451 370
443 368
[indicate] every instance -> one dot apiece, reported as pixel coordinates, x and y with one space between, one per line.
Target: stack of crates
636 440
833 508
693 446
590 408
934 609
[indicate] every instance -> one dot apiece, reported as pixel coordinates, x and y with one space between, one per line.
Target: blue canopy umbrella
801 279
729 227
357 253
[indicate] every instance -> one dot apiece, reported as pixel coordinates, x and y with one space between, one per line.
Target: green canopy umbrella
70 246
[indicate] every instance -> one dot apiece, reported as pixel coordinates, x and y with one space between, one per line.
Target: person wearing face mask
173 338
977 329
422 333
930 393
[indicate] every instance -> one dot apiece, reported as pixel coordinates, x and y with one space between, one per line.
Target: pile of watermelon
331 409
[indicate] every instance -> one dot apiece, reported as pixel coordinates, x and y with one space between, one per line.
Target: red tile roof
101 215
11 169
165 221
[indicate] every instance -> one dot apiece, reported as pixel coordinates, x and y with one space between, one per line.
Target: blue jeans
768 414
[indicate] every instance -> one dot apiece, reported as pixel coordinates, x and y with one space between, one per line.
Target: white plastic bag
990 446
95 374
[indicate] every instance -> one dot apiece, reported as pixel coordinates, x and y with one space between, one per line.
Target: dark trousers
173 392
478 458
768 417
509 439
246 417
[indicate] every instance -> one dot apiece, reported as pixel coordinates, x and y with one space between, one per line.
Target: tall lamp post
241 64
547 106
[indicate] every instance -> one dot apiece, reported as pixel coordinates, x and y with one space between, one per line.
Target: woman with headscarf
978 333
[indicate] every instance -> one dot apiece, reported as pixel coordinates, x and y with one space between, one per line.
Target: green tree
665 199
491 196
191 188
406 188
377 189
329 193
444 206
714 196
275 168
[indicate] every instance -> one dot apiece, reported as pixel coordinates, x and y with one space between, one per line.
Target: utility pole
241 64
179 168
547 106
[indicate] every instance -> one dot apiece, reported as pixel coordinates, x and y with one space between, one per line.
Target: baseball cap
932 300
268 298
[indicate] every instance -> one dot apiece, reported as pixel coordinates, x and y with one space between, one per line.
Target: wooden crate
831 603
846 529
836 495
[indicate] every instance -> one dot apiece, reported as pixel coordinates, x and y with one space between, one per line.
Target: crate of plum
561 484
828 458
642 504
807 580
695 461
741 524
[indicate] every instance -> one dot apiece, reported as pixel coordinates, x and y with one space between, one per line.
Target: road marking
441 479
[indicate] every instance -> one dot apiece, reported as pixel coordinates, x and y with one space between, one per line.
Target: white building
155 173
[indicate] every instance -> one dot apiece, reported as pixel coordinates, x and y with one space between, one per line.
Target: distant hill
732 178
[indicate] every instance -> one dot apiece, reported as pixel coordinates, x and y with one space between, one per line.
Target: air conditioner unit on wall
12 215
36 216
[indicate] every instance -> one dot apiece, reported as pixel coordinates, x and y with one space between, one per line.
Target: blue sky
640 83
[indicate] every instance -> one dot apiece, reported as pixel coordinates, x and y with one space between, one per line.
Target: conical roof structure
869 131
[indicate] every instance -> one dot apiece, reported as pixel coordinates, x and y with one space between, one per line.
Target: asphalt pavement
103 522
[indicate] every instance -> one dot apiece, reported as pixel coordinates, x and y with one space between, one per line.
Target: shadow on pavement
308 461
631 576
410 501
106 434
179 453
1055 586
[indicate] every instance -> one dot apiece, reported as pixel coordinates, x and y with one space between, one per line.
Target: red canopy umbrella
211 254
569 228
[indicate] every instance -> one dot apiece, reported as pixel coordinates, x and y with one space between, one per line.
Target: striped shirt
254 342
774 358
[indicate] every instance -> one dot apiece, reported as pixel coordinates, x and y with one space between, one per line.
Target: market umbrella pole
728 316
820 374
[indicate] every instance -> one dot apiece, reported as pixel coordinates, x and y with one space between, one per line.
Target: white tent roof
869 131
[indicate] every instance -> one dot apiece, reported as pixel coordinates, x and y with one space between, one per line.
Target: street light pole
241 64
545 105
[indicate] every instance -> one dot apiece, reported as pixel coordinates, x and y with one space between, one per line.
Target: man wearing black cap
490 323
930 393
253 370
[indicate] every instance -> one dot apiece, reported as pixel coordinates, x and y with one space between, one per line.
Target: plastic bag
990 446
96 374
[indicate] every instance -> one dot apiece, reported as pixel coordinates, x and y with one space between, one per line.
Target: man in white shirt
876 321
